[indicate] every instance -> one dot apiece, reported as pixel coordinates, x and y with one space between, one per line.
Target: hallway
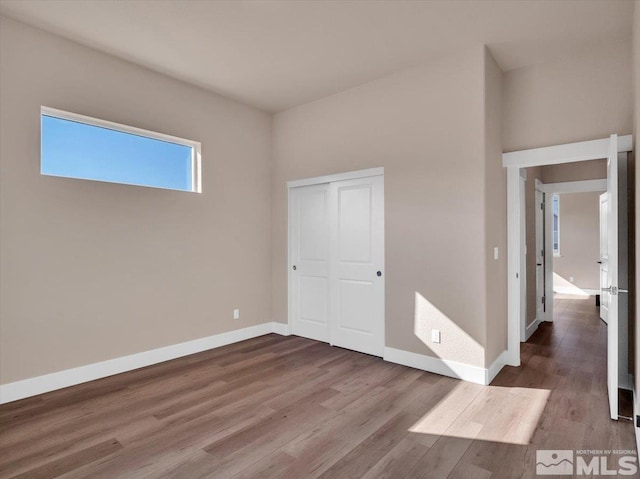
568 357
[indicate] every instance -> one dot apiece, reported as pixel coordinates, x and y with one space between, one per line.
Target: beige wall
530 238
496 213
579 239
583 97
426 127
91 271
579 171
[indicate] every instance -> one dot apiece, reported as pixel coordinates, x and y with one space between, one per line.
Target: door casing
514 162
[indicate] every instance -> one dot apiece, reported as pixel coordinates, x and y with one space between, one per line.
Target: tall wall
584 97
496 212
425 126
91 271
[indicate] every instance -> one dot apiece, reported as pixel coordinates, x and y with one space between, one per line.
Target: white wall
91 271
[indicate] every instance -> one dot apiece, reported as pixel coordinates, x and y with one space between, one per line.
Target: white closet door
357 265
309 230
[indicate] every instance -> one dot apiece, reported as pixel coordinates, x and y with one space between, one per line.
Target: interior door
540 298
604 259
309 237
612 289
357 265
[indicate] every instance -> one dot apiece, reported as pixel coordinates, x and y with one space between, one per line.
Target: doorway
336 260
608 148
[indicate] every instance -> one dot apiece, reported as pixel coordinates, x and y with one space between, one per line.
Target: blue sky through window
78 150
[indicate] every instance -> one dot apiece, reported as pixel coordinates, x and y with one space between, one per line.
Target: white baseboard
446 367
70 377
592 292
496 367
90 372
282 329
531 328
575 290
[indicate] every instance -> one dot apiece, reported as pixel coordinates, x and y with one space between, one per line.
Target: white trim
538 185
586 186
446 367
349 175
513 266
515 161
569 153
196 159
556 252
532 328
590 291
523 257
496 367
548 258
70 377
282 329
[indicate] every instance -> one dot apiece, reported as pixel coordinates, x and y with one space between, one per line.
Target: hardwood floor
288 407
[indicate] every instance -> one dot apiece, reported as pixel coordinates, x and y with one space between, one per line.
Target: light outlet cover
435 335
236 314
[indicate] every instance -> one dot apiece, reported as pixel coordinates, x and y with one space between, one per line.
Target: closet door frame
350 175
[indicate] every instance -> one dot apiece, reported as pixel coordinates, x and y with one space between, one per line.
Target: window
556 225
76 146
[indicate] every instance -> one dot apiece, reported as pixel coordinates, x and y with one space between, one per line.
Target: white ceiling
277 54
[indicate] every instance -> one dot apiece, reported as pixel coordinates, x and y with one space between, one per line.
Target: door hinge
544 300
541 206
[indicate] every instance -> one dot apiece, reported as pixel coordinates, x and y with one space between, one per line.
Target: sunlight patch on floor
471 411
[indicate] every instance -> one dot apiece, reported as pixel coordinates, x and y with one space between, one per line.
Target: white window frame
196 147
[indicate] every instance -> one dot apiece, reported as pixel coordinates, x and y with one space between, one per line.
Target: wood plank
291 407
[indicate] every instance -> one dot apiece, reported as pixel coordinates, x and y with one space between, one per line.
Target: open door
604 259
611 290
540 295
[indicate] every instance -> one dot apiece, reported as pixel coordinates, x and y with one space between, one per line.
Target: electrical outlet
435 336
572 279
496 253
236 314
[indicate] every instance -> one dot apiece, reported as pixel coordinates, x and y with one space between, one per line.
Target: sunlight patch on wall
455 341
562 286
